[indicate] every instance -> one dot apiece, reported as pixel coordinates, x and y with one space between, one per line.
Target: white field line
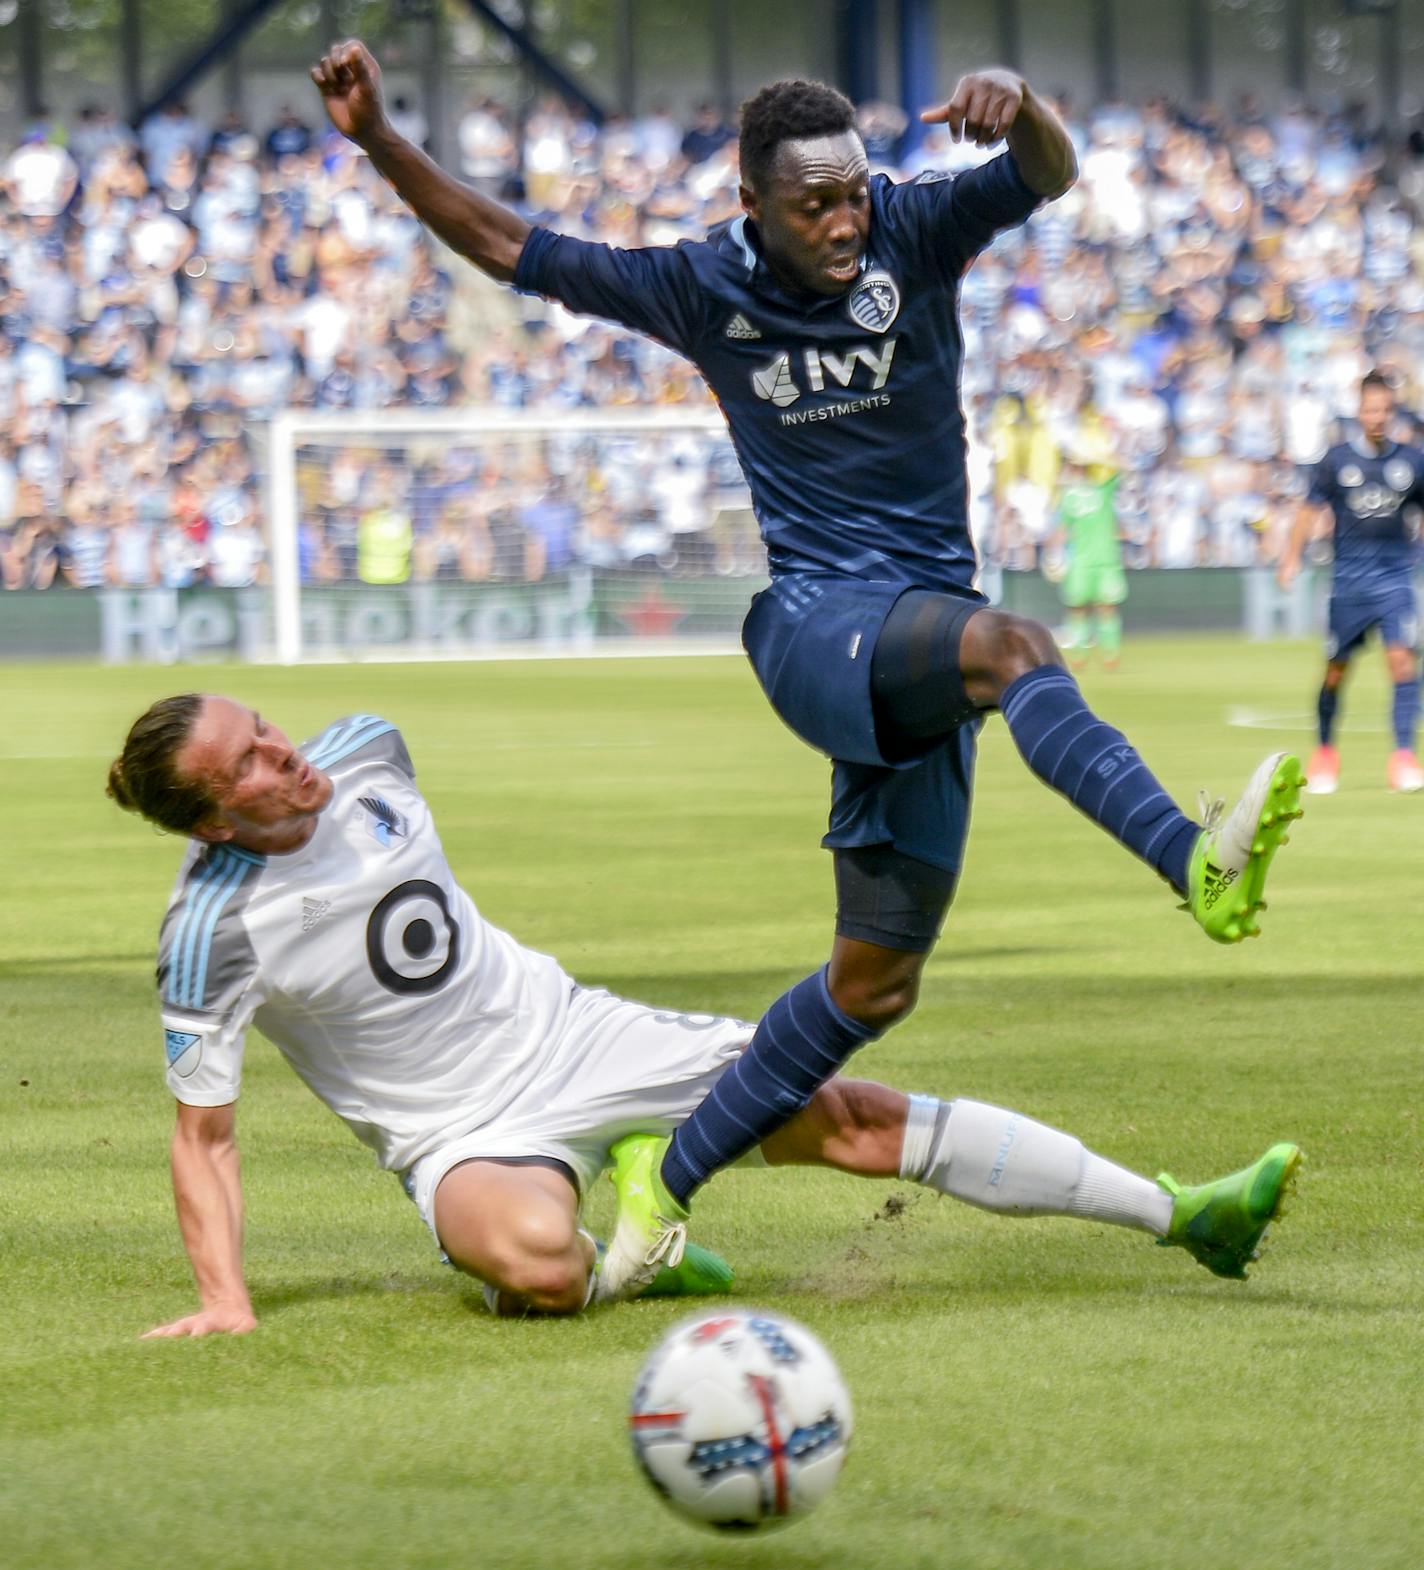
1295 720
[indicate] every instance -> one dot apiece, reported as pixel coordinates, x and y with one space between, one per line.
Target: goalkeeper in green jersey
1093 584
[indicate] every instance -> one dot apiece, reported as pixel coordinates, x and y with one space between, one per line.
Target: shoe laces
668 1247
1212 812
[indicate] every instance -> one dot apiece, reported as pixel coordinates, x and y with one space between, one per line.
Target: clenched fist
350 83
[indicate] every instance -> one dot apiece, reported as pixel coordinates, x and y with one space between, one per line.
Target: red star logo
651 616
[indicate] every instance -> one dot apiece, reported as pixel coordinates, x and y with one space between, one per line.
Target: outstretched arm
208 1193
490 235
988 105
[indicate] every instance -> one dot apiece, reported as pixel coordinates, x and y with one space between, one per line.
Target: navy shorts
1388 604
812 642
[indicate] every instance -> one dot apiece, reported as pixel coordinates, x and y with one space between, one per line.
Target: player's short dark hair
786 112
144 777
1376 379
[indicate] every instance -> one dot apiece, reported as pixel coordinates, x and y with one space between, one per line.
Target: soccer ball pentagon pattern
740 1420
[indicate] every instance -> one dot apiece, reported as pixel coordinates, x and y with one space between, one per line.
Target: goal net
461 532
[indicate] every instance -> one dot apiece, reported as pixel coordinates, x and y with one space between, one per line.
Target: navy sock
1090 763
1406 714
1325 706
802 1040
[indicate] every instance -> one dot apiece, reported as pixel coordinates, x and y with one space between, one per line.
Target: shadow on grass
784 1558
1088 1290
291 1294
50 964
853 1278
941 975
770 984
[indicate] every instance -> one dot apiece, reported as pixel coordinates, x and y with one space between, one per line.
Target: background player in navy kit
825 320
1360 491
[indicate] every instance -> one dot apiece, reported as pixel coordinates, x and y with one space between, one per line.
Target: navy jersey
1370 494
844 410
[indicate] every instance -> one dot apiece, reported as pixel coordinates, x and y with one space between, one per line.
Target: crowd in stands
1197 313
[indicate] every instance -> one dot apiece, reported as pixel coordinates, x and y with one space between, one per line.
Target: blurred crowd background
1196 313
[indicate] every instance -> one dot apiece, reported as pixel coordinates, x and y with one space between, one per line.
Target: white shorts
633 1070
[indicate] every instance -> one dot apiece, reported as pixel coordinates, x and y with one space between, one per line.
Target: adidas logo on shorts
740 327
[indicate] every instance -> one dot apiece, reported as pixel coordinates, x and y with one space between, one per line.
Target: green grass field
1039 1394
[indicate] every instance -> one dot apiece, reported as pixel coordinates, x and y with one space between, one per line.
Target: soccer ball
740 1420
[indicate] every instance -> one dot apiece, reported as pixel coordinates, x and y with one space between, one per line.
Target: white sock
1003 1161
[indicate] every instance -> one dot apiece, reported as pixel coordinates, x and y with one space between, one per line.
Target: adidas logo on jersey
740 327
313 911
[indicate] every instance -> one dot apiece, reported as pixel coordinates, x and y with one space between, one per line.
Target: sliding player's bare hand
985 104
222 1320
350 83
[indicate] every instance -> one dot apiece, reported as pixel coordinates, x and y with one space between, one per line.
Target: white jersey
363 960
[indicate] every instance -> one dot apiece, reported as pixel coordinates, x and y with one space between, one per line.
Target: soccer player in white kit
315 901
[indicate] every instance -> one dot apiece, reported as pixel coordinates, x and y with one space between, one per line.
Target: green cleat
1226 879
650 1232
701 1273
1221 1224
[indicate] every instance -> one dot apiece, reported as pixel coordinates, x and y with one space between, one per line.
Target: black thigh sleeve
888 898
552 1162
915 681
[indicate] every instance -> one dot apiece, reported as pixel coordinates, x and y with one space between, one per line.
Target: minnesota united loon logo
874 303
383 822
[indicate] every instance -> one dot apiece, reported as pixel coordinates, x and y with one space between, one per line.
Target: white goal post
493 508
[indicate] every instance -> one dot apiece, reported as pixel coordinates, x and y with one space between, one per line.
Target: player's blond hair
144 778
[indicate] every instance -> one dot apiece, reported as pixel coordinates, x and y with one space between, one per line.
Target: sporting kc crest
874 303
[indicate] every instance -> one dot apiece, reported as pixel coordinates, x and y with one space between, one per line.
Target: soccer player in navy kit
824 318
1361 490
